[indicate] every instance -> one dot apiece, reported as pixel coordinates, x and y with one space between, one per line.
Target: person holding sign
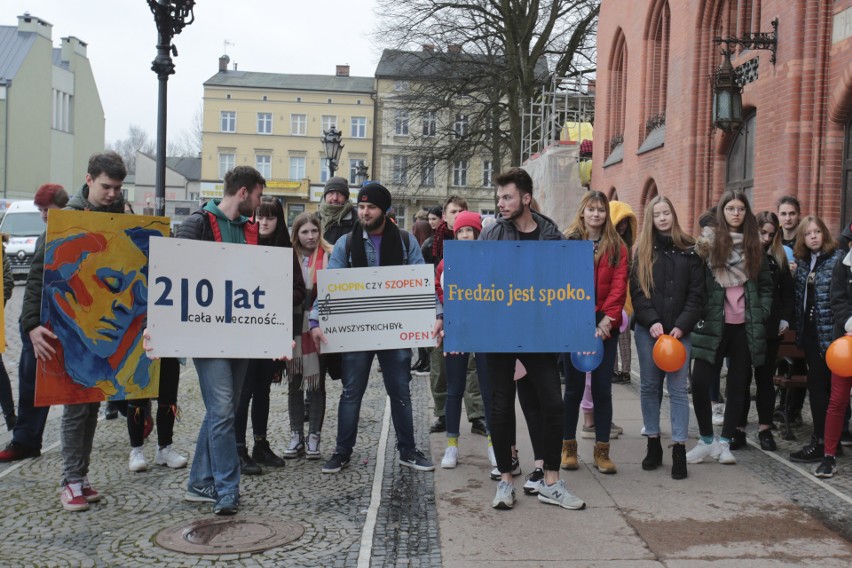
215 474
374 242
519 223
667 288
593 222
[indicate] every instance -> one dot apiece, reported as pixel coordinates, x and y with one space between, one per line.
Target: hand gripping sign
387 307
211 299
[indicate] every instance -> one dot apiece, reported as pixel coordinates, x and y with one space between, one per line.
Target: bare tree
485 60
187 144
137 140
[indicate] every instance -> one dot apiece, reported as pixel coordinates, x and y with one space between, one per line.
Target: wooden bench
788 376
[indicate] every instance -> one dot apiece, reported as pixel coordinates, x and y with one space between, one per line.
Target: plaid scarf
305 361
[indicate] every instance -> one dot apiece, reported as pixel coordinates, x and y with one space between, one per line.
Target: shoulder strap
406 242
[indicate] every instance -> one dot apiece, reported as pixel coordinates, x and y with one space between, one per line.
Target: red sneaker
72 497
89 493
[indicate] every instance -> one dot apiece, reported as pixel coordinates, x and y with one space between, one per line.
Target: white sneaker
558 494
137 460
725 455
492 459
718 414
312 452
451 457
169 457
702 450
505 496
296 446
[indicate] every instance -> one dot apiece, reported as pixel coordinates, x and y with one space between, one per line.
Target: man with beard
375 241
519 223
215 474
336 212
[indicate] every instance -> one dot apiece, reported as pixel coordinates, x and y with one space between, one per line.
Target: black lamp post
171 16
727 97
332 146
361 173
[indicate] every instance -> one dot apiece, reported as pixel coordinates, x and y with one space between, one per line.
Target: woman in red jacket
593 223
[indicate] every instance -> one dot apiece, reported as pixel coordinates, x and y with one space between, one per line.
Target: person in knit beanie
336 212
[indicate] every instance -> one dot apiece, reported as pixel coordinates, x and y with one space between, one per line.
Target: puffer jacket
823 270
31 308
618 212
610 285
503 230
677 298
841 296
707 333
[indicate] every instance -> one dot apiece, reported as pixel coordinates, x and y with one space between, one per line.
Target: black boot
247 465
439 425
678 461
738 442
264 455
654 457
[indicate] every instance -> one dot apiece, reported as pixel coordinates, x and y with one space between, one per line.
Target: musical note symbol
324 307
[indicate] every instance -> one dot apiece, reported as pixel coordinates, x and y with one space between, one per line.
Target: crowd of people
728 295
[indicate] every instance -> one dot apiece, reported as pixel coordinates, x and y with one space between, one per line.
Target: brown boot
602 461
569 455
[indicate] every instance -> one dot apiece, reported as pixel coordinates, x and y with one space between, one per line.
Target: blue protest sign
519 296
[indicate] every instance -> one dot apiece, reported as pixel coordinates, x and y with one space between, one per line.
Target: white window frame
487 173
427 173
297 167
225 163
298 124
264 123
263 164
460 173
400 170
461 126
358 127
227 121
430 123
400 122
327 121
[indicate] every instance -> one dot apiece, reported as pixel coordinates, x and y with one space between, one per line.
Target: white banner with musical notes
376 308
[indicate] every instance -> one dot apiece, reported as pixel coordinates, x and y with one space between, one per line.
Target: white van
22 222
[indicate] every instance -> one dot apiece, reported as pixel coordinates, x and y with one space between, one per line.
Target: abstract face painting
94 299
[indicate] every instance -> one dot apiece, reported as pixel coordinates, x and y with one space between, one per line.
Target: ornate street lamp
332 146
361 173
171 16
727 97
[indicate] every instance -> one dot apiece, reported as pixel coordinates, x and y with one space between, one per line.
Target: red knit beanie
468 219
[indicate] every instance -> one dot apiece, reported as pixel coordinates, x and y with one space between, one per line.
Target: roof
398 64
256 80
190 168
14 46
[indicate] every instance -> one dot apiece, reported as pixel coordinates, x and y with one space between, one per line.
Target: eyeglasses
735 209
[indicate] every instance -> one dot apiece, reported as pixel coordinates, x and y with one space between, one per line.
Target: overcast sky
276 36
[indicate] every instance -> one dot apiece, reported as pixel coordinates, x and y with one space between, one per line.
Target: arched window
613 194
740 173
617 99
656 76
739 17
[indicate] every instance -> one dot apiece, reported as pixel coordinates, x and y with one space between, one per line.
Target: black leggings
819 379
166 407
763 375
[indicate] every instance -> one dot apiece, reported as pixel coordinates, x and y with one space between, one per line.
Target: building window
297 167
616 95
430 123
460 127
740 174
264 123
298 124
353 169
228 120
486 212
263 164
657 67
487 173
293 211
460 173
328 120
400 122
62 111
400 169
359 127
265 98
226 164
399 211
427 173
400 86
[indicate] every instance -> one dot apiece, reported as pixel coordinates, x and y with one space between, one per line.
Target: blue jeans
29 429
396 372
651 387
457 375
216 462
575 384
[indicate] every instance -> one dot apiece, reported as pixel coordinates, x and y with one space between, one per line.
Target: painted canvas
95 299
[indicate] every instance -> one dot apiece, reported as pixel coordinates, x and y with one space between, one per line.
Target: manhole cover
229 535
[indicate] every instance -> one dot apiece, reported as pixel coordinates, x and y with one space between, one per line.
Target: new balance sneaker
451 457
197 494
827 467
725 455
227 505
558 494
718 414
336 463
169 457
137 460
312 448
89 493
588 433
72 497
516 469
615 431
417 460
504 499
533 481
296 447
703 450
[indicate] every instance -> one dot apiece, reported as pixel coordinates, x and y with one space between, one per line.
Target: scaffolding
562 101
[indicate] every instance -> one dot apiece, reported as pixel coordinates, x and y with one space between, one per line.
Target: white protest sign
208 299
376 308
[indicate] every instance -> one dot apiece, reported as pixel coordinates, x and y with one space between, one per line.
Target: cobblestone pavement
120 530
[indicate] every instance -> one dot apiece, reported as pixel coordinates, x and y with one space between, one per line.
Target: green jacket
31 307
707 333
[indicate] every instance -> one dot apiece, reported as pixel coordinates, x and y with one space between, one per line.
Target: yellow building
274 122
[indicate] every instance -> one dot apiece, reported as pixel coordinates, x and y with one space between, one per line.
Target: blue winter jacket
823 271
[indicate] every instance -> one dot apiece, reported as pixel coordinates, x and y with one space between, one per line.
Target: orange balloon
839 356
669 354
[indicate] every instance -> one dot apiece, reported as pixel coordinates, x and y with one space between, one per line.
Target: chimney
454 48
70 46
223 63
235 65
342 71
429 47
591 86
28 23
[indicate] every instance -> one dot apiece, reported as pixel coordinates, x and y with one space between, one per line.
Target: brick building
654 128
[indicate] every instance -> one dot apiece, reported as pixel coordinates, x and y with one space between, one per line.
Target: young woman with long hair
592 222
738 289
667 287
306 370
816 254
